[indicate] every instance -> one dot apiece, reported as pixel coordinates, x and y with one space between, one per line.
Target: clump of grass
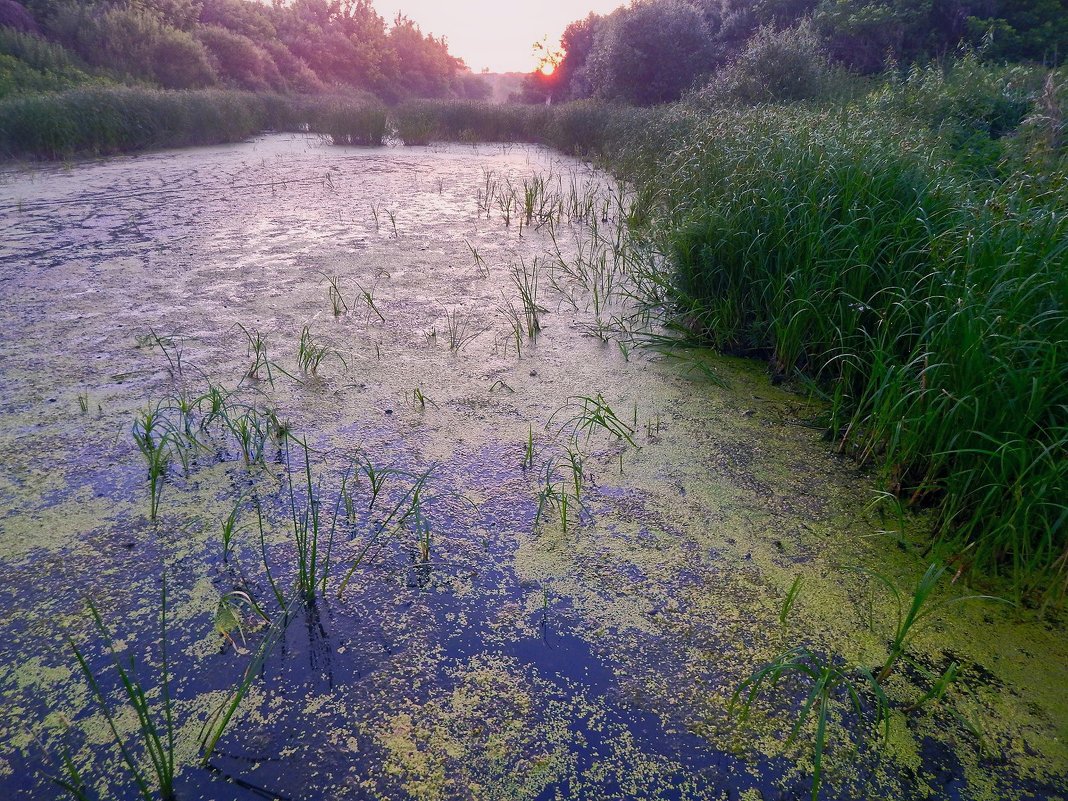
421 400
337 300
458 330
309 354
313 556
252 430
525 279
416 124
553 496
257 351
913 612
409 507
156 730
217 723
515 319
353 122
153 436
831 681
592 413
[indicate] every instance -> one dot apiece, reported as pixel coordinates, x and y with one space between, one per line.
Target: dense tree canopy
649 52
654 50
300 46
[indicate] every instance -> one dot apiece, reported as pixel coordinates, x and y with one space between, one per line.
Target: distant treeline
307 47
653 51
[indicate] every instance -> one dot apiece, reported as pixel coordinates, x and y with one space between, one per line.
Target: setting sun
484 35
548 69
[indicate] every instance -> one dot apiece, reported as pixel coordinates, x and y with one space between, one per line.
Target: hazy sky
492 33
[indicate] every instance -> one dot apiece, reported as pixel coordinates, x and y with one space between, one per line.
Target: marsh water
602 537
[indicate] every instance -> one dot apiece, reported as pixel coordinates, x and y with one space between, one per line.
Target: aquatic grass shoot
313 557
912 612
528 449
459 331
831 680
219 720
368 297
337 300
829 683
309 354
407 506
420 400
257 351
229 528
525 279
480 262
592 413
515 319
155 728
152 436
790 599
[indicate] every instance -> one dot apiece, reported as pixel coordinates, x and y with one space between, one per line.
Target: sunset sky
491 33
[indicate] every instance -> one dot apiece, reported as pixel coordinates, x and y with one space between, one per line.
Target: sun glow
548 69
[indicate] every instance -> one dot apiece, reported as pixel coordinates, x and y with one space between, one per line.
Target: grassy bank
109 120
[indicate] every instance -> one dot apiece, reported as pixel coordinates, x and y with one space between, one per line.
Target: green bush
776 66
29 64
135 42
239 60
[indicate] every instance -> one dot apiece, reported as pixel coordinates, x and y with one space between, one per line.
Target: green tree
649 52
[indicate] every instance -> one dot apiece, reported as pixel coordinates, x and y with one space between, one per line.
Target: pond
536 551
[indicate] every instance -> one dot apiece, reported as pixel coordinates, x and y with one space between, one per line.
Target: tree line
305 46
652 51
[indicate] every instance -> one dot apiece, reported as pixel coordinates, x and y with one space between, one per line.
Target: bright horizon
488 33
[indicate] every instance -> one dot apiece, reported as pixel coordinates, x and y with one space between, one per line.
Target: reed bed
110 119
926 307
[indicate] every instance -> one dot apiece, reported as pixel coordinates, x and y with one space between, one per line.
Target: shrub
239 61
649 53
776 66
134 42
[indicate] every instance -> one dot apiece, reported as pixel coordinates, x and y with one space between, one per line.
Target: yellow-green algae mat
479 649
